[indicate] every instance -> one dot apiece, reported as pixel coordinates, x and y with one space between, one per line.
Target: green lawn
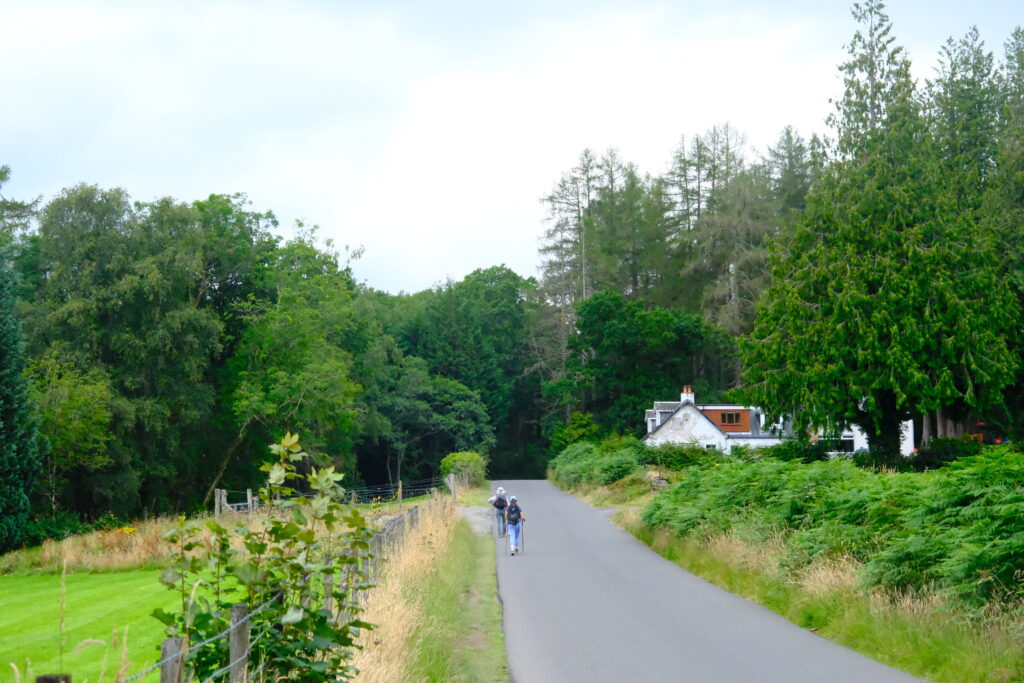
95 605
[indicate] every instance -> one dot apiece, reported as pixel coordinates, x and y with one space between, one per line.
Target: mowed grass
95 605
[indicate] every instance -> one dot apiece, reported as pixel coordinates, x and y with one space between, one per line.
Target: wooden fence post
248 500
238 647
173 671
355 498
54 678
399 490
216 503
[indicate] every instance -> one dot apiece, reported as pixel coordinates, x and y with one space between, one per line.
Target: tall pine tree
19 458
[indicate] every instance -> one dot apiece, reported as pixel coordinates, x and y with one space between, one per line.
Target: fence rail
174 652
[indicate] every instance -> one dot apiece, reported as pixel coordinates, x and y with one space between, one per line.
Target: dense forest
153 349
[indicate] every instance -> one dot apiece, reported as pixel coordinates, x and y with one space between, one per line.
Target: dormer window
730 418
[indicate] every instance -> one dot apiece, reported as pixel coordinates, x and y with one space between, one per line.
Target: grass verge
30 631
436 608
916 633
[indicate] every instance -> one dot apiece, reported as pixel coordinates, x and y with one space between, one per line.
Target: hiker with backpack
500 502
515 518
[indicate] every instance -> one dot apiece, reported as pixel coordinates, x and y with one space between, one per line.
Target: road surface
588 602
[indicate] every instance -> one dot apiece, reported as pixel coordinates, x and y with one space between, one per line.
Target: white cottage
718 426
722 426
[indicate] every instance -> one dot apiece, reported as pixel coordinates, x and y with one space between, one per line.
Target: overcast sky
426 132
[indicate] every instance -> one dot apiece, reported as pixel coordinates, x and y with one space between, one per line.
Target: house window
710 446
730 418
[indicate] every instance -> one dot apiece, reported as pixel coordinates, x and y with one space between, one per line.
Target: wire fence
387 539
231 500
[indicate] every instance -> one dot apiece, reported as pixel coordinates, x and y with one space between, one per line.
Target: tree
476 332
420 418
729 262
293 367
964 108
565 251
1003 202
74 408
19 457
14 215
792 171
627 356
873 314
149 295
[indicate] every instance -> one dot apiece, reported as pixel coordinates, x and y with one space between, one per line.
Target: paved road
588 602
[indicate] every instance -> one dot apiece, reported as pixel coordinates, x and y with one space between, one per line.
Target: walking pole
507 536
522 535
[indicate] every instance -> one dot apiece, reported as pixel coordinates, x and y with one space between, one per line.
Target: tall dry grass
392 605
139 545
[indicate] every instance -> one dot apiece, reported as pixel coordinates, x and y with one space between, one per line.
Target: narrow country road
588 602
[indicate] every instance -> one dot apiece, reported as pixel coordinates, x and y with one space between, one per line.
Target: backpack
513 514
500 502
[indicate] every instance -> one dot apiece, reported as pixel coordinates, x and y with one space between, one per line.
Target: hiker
515 518
500 502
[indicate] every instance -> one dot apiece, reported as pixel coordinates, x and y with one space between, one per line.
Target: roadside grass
919 633
476 496
435 608
107 624
631 490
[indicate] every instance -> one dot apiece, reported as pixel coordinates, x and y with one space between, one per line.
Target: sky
424 133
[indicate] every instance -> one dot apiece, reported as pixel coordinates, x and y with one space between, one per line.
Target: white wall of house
688 425
759 442
860 439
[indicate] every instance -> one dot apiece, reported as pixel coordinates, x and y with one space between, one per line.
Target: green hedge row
599 464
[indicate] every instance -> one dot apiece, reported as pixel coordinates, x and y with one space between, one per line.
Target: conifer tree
19 460
873 315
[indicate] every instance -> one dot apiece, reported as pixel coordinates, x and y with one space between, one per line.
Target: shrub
55 527
872 460
942 451
795 449
580 427
618 466
467 463
298 543
585 463
678 456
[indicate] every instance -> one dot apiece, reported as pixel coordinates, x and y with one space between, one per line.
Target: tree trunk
926 429
224 463
885 436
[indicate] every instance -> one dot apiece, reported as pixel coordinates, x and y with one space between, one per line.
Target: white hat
500 490
512 498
